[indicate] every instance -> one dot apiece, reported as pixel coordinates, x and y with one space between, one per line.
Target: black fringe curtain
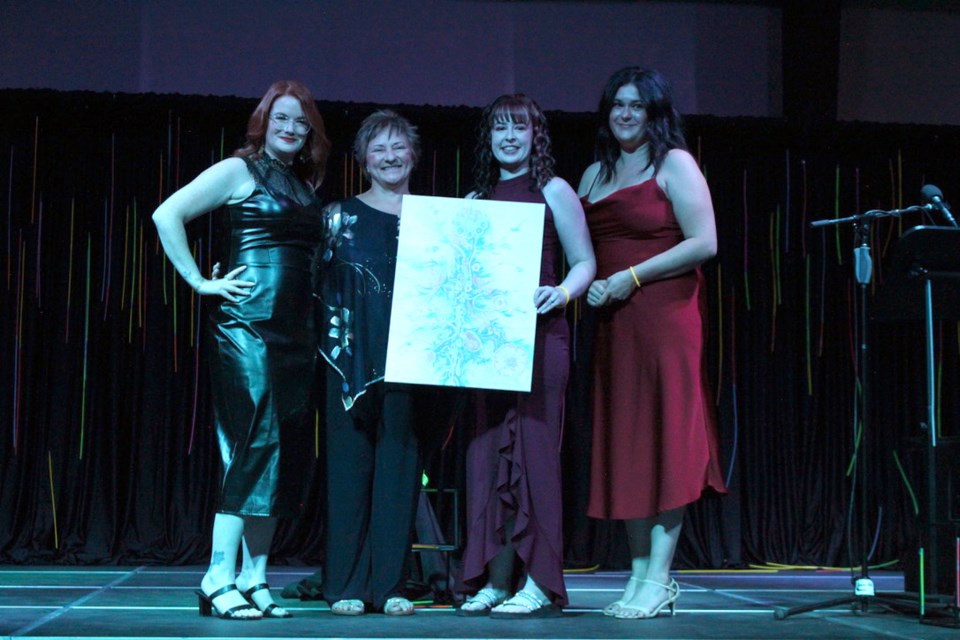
107 452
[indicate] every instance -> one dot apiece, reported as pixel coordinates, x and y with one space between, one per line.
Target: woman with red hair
262 334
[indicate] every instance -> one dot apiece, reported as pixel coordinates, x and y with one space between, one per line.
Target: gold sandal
612 608
633 613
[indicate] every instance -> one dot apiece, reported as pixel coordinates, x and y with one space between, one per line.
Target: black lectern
924 284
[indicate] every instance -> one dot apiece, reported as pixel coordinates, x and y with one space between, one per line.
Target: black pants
373 481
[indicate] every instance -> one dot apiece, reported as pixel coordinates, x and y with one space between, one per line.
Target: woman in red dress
651 220
513 459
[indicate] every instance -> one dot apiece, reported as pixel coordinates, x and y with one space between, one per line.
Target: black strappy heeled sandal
269 611
207 608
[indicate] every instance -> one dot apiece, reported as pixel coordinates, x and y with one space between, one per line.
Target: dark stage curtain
107 452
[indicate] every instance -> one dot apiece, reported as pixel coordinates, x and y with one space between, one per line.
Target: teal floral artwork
463 312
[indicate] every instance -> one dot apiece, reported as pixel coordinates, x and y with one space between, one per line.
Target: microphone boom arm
873 213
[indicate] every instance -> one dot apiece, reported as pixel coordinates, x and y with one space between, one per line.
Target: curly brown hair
516 108
311 163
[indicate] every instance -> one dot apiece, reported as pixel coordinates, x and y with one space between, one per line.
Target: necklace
268 159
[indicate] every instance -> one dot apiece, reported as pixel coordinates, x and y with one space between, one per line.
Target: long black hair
664 129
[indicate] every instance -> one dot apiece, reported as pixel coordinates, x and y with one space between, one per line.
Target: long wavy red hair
311 163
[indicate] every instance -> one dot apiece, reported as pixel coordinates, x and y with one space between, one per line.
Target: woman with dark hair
373 455
262 333
513 459
654 440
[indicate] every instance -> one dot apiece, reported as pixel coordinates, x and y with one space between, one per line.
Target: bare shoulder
558 188
680 161
229 169
237 175
225 182
679 170
235 164
230 173
563 200
588 178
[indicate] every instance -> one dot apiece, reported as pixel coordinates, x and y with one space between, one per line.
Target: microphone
932 194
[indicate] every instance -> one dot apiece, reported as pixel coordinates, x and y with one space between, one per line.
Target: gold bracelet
635 278
564 289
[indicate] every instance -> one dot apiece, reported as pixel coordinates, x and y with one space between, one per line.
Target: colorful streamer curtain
107 453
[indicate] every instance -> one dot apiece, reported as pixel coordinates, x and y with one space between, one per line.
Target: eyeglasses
300 125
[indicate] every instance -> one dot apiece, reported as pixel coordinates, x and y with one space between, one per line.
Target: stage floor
158 602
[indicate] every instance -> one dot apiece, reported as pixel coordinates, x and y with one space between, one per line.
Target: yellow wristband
564 289
635 278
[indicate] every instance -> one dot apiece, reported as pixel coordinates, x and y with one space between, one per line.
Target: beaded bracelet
635 278
564 289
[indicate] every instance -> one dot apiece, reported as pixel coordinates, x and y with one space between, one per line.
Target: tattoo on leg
216 559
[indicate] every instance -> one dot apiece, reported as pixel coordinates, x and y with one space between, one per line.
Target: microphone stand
863 592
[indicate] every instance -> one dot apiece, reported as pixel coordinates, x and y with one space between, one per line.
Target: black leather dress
264 346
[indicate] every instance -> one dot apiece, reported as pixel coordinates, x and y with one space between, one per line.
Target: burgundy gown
513 459
654 431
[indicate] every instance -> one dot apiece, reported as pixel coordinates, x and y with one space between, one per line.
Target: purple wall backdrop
900 65
896 65
722 59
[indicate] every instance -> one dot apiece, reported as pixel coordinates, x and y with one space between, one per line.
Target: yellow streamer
53 503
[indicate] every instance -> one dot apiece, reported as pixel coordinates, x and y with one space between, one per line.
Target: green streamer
906 483
86 344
